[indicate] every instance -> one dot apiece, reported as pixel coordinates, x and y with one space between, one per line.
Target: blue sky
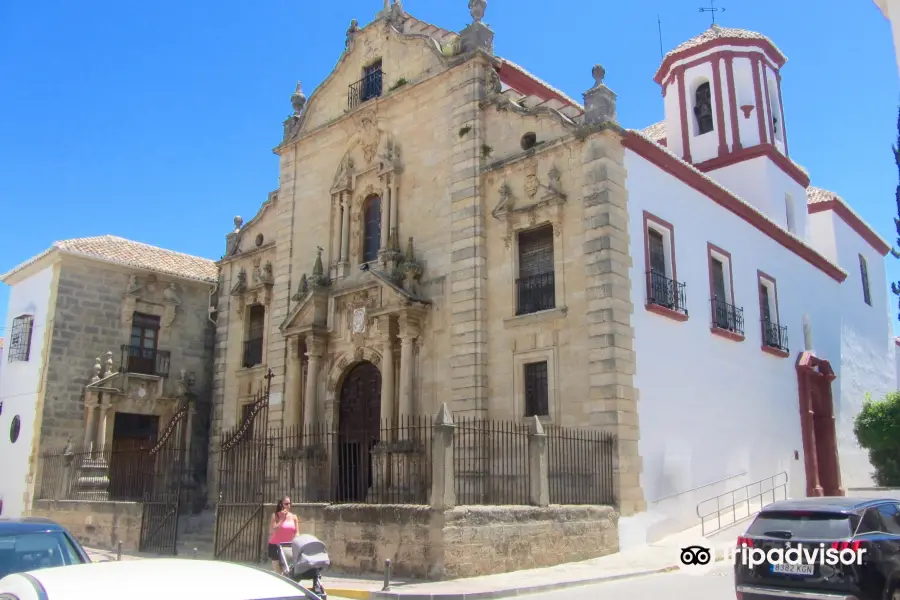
155 121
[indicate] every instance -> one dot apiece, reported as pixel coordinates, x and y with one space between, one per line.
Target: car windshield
28 551
803 525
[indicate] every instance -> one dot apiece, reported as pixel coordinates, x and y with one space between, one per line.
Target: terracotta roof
819 199
109 248
719 33
655 132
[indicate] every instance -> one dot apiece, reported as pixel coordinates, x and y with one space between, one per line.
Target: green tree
877 429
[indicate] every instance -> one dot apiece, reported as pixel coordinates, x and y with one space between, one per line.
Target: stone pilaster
219 372
387 370
468 276
315 350
612 398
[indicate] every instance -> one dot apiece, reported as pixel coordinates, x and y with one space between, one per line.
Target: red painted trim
757 93
723 54
767 150
765 80
732 104
766 46
524 84
760 277
662 224
710 248
774 351
781 116
687 174
728 335
683 102
815 378
720 106
663 142
861 229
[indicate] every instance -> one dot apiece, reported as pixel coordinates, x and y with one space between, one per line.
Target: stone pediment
310 312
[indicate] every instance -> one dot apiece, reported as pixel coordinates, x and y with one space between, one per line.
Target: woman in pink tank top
282 528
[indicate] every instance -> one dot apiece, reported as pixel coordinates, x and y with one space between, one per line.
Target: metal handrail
720 509
699 487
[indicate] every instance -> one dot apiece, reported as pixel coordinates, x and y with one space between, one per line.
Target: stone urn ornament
476 9
298 99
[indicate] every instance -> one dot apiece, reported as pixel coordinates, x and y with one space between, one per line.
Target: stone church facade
433 243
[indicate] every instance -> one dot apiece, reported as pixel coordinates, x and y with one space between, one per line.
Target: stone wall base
466 541
96 524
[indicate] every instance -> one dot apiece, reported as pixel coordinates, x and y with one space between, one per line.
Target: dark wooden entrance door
129 463
359 429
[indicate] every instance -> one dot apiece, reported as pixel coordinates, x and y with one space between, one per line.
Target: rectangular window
253 342
20 338
789 213
536 283
727 318
774 335
864 275
142 350
537 390
665 295
245 412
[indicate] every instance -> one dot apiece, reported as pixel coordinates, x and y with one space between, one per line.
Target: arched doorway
359 429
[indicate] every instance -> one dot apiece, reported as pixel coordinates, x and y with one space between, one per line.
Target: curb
489 595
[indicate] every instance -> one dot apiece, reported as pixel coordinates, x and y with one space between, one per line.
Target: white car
152 579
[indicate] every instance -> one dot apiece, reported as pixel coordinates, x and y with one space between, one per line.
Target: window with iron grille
864 274
536 285
20 338
537 390
371 228
253 343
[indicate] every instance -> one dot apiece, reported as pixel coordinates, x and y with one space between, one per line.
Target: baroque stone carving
351 32
369 136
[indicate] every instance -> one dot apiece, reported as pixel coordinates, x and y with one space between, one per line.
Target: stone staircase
195 534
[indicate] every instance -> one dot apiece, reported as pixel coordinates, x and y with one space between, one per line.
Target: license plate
785 569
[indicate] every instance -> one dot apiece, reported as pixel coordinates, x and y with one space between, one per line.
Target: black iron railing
365 89
666 292
145 361
775 335
580 466
253 352
727 316
535 293
490 462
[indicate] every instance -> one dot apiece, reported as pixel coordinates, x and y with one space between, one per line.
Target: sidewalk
660 557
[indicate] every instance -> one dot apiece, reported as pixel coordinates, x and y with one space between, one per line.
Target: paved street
714 584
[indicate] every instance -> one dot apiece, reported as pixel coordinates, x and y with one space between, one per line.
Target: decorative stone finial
476 9
238 223
110 369
298 99
599 73
97 368
599 101
351 31
319 278
412 270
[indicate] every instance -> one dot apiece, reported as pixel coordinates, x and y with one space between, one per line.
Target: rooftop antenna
659 25
712 9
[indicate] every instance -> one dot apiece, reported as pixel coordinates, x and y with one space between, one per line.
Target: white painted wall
868 349
761 183
741 402
19 389
891 10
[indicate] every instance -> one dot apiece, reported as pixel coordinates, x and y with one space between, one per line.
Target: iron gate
240 511
164 467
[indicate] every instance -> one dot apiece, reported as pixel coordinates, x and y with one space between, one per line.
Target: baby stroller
304 558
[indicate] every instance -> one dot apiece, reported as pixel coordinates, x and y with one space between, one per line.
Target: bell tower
724 115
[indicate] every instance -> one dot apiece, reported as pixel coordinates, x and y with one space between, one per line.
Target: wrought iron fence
666 292
535 293
775 335
365 89
580 466
728 317
490 461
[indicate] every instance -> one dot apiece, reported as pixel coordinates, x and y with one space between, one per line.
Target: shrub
877 429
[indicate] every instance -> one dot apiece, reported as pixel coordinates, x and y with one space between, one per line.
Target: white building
764 280
891 10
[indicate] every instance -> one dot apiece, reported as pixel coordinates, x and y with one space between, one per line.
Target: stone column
538 473
292 384
393 213
387 371
386 215
409 330
338 227
90 404
443 485
345 227
101 427
315 348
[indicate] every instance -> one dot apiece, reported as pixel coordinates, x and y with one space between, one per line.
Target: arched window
371 228
703 108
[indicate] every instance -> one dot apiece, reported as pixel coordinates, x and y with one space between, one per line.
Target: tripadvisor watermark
799 555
